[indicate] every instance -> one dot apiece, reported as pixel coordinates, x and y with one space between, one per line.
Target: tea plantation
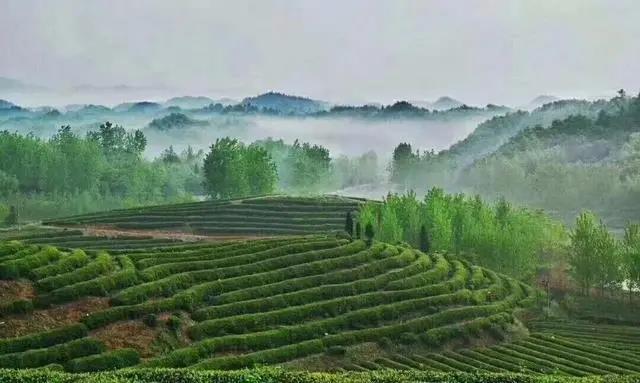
258 216
252 302
280 296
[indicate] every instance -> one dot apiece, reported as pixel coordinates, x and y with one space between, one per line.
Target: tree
348 225
12 217
358 230
234 170
424 239
169 156
631 245
224 171
402 163
260 170
583 256
369 233
594 254
114 139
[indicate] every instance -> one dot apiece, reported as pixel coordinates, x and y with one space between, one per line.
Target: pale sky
478 51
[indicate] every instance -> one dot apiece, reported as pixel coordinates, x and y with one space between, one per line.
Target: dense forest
589 150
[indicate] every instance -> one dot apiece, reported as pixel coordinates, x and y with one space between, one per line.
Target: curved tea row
253 216
253 302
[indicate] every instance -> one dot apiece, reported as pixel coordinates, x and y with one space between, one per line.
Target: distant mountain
138 107
285 104
444 103
189 102
541 100
174 121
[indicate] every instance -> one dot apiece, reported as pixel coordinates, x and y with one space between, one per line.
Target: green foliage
369 233
42 339
67 263
631 253
503 238
102 264
59 353
21 267
18 306
111 360
348 224
307 168
232 169
174 323
72 174
402 163
595 258
336 351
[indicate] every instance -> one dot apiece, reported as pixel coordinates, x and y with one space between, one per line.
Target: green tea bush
177 282
10 247
42 339
111 360
21 267
67 263
18 306
56 354
102 264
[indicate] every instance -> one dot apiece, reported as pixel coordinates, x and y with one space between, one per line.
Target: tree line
598 259
499 236
104 169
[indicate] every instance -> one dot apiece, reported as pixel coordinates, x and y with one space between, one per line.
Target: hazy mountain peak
446 102
284 103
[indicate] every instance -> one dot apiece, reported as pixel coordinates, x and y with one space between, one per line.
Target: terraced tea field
252 216
271 280
575 349
241 303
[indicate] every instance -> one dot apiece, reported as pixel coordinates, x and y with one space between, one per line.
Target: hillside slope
252 216
234 304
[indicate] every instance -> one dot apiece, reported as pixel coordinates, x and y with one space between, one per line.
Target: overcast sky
340 50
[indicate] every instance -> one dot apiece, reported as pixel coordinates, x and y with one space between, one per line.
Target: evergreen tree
424 239
369 233
348 226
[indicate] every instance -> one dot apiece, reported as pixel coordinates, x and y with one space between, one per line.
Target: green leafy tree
631 251
402 163
583 257
169 156
594 256
224 170
260 170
